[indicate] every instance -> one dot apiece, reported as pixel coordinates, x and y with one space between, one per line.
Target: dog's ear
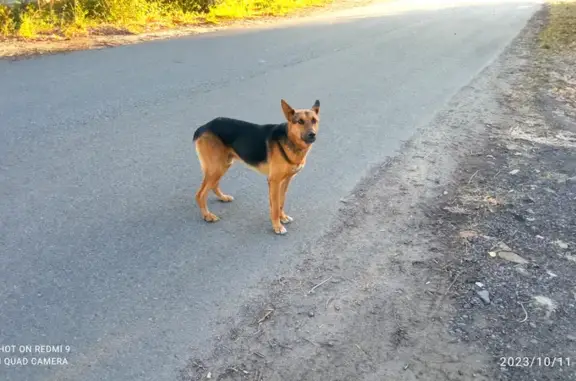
316 107
287 110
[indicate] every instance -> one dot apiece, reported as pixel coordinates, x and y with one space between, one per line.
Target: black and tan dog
276 150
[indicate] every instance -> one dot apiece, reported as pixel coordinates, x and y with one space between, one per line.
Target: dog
277 151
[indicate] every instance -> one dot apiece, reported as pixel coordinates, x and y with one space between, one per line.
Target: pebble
512 257
484 295
311 313
561 244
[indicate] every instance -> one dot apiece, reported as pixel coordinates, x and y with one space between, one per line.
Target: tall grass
69 18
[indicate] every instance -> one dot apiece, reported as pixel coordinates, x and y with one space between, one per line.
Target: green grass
70 18
560 33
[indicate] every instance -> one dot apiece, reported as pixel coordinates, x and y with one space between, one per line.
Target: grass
560 33
74 18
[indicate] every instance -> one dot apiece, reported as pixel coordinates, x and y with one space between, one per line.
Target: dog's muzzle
310 137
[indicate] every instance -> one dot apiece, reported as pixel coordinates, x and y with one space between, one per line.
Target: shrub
73 17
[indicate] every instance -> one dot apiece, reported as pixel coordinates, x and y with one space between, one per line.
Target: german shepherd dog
277 151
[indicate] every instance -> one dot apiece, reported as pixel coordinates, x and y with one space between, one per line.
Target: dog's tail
199 131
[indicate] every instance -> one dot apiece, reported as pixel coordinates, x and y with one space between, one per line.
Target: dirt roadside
455 254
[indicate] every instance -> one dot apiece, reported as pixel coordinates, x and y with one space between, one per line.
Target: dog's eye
313 121
300 121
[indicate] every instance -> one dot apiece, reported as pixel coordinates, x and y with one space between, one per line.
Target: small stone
561 244
544 301
484 295
551 191
530 211
514 171
209 375
522 270
480 284
467 234
571 337
512 257
311 313
337 307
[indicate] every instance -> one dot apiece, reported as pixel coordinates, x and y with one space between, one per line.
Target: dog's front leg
274 190
284 218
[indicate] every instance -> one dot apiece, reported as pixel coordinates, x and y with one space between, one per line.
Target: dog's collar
283 152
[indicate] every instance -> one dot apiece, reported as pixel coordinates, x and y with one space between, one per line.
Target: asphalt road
102 247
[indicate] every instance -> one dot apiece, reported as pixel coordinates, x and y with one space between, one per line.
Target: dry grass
560 33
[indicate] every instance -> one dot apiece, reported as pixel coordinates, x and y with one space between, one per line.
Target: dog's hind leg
214 161
201 197
217 191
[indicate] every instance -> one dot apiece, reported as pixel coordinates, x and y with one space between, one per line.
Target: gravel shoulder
453 255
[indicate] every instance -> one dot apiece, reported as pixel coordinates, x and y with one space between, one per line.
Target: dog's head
302 124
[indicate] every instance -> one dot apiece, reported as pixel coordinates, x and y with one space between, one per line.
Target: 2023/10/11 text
534 361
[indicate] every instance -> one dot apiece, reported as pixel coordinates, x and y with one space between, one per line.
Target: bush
7 25
74 17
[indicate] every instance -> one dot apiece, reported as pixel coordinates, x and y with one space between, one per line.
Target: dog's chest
298 168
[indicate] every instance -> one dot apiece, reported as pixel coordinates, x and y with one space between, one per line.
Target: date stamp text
534 361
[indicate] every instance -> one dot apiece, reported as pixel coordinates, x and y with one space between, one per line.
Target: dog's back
248 140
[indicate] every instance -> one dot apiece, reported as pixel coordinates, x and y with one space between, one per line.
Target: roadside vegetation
74 18
560 33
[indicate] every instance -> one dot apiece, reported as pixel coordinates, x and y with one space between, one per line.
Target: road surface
102 247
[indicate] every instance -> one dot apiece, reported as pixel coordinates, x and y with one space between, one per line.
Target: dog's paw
280 230
226 198
286 219
210 217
